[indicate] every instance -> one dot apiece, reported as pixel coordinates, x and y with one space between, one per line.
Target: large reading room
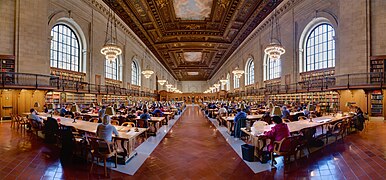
192 89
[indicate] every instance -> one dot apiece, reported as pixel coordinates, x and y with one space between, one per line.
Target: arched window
236 82
65 48
113 69
250 72
319 47
228 82
135 73
272 68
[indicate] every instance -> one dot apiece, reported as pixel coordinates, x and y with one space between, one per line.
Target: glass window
320 48
250 72
236 82
272 68
135 73
65 49
113 69
228 82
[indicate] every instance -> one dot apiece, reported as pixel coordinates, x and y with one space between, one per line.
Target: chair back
78 117
287 145
94 120
131 124
142 123
67 116
100 146
286 120
115 122
302 118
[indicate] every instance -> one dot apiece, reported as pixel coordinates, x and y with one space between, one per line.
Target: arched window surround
236 82
249 72
69 22
228 85
314 23
135 73
271 69
113 70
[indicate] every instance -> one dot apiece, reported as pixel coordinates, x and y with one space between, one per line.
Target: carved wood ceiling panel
214 29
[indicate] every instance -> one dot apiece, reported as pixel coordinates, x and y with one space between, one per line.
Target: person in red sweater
277 133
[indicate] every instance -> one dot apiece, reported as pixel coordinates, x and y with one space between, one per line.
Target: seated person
223 111
240 115
277 132
285 114
305 111
63 111
157 111
145 116
101 112
132 114
105 130
34 116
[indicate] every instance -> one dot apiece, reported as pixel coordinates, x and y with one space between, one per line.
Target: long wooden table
127 136
259 140
230 120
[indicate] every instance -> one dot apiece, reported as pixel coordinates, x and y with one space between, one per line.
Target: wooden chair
13 120
338 129
102 149
67 116
131 124
291 143
286 120
22 122
35 126
114 122
94 120
78 118
302 118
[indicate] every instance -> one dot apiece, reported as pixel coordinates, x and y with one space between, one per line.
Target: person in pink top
277 133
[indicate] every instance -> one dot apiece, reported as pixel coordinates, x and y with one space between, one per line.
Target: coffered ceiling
192 38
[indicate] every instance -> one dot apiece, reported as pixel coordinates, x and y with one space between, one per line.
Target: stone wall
354 43
32 22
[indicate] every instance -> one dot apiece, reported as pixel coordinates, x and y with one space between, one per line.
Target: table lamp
276 111
110 111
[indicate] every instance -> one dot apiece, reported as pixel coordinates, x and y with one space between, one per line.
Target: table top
124 131
168 113
249 117
296 126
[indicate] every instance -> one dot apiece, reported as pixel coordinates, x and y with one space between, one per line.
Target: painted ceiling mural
192 9
192 35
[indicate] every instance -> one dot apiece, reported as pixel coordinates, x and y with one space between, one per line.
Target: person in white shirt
105 130
34 116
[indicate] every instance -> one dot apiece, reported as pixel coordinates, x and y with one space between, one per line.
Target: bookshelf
7 64
376 103
377 68
314 79
58 98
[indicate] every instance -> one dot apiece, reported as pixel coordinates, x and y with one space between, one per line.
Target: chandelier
216 85
212 88
274 50
169 85
238 72
147 72
223 81
161 82
173 89
110 49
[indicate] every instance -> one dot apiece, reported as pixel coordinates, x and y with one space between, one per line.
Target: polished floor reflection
193 149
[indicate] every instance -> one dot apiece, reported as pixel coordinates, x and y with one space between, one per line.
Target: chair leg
104 164
92 163
116 160
272 158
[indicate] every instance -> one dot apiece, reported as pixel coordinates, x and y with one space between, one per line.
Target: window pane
64 48
320 51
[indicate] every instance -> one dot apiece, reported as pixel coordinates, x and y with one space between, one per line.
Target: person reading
277 132
105 130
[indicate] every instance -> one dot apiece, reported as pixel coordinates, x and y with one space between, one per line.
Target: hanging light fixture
169 86
238 72
147 72
110 49
216 85
212 88
161 82
223 81
274 50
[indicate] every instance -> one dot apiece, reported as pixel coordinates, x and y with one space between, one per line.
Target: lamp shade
276 111
74 108
110 111
310 107
36 104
